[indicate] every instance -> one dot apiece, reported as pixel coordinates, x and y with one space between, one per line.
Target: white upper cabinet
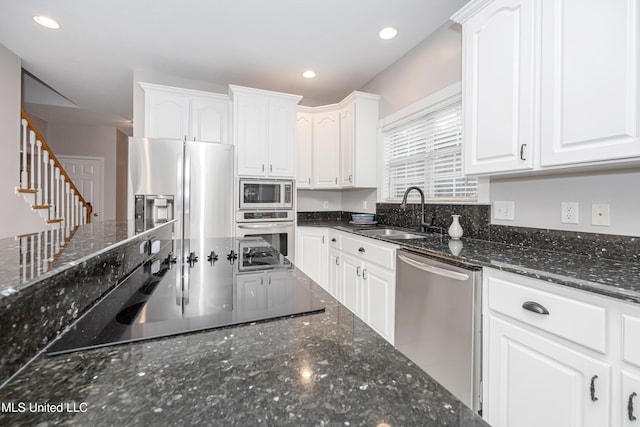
264 127
358 140
590 81
343 142
304 150
549 84
326 149
177 113
498 89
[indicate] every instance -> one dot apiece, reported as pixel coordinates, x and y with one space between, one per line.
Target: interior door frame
101 186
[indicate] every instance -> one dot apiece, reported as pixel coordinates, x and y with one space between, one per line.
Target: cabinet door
630 402
590 81
251 294
532 381
326 149
209 120
282 138
335 287
251 127
378 295
166 115
350 271
347 145
279 291
499 88
304 150
312 253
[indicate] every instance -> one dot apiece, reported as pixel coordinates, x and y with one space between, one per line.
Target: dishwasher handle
432 269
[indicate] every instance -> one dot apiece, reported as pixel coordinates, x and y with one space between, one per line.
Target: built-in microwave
266 194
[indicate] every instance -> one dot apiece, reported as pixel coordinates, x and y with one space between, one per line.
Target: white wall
16 216
89 141
538 199
431 66
167 80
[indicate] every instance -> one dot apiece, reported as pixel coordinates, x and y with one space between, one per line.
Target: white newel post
32 172
45 177
39 181
75 210
23 173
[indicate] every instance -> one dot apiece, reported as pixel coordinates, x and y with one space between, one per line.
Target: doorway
87 173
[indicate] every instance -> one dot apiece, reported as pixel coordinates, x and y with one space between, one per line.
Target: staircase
46 186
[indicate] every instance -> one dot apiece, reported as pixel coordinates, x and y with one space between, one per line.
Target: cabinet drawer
569 318
369 250
630 343
335 239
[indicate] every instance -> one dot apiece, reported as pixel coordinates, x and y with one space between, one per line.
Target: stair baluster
23 166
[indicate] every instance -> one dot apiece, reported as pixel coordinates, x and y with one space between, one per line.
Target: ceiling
87 65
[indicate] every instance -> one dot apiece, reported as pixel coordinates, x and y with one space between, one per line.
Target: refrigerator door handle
187 193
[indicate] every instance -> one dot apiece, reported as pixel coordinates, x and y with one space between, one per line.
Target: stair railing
42 175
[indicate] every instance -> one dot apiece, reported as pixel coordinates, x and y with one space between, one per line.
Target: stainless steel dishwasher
438 322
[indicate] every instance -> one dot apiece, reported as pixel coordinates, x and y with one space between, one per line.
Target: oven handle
269 225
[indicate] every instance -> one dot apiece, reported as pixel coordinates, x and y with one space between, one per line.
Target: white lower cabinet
534 381
556 356
257 292
312 253
360 273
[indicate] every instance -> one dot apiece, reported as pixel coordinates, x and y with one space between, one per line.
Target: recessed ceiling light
45 21
387 33
309 74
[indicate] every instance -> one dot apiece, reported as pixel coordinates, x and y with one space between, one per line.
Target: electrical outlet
600 215
504 210
569 213
325 204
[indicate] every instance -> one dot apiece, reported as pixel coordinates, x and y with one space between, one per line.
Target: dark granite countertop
322 369
27 260
616 279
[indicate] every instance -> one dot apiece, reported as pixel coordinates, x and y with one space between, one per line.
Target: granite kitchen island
327 368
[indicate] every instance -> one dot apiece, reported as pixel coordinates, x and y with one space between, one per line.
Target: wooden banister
45 146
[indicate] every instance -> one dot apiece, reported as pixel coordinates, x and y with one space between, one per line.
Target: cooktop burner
214 283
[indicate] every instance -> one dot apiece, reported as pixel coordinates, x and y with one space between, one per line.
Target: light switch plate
504 210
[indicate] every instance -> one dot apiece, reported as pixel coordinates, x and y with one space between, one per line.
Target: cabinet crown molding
233 89
193 92
469 10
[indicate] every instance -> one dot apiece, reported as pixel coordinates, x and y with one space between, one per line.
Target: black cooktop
191 286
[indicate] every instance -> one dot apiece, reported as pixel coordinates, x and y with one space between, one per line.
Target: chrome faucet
403 205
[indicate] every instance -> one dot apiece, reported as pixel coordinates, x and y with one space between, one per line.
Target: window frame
421 108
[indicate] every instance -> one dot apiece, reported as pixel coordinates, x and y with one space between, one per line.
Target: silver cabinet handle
262 168
270 168
337 260
361 250
364 271
309 180
358 271
350 178
323 240
535 307
522 146
336 179
435 270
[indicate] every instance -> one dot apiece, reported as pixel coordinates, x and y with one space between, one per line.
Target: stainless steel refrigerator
188 180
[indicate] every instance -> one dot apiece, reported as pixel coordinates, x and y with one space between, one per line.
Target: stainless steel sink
391 233
405 236
382 232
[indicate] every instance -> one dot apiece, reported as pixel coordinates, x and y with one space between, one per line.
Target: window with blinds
427 152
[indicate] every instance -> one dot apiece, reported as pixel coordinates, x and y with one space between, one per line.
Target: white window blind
427 152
